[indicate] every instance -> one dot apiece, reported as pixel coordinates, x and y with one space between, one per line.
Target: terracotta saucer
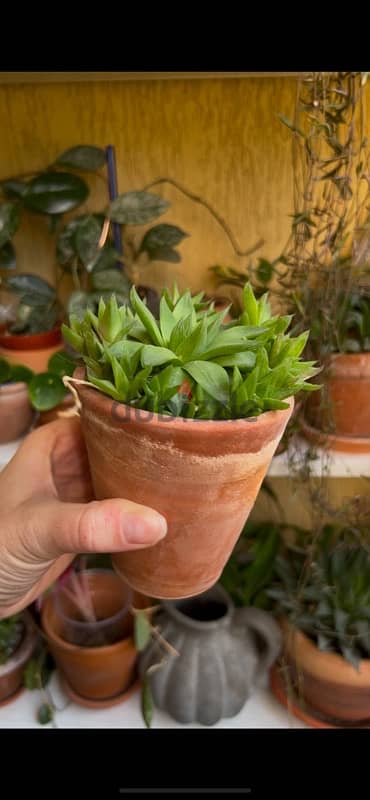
310 716
12 696
108 703
341 444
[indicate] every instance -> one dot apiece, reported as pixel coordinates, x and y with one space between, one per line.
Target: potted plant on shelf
18 638
16 413
31 334
26 398
324 267
339 416
88 624
322 594
184 415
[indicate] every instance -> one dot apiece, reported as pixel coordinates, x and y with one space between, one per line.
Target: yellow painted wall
219 137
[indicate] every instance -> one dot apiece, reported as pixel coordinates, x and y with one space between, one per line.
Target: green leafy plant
46 390
188 363
144 632
36 677
37 309
12 373
327 595
86 249
85 245
352 329
11 634
250 569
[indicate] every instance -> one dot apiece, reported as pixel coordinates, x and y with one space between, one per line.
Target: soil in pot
11 671
16 413
97 658
202 475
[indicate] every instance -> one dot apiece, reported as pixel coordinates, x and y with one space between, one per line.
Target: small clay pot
11 673
31 350
326 681
16 413
202 475
100 672
341 409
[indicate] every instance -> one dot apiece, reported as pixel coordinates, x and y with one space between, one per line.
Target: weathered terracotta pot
342 408
11 673
96 673
326 681
16 413
203 476
32 351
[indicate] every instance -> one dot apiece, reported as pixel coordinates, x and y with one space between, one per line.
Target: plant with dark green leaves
352 324
36 677
250 568
11 634
144 632
37 309
188 363
86 248
46 390
327 595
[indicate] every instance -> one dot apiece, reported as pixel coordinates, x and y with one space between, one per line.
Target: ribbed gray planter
223 653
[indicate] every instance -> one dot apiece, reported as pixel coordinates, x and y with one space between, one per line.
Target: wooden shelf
325 462
72 77
262 710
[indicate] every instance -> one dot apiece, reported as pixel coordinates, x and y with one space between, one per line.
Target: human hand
48 515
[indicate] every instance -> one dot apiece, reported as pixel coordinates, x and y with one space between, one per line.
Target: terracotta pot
16 413
31 351
11 673
342 409
96 673
326 681
203 476
49 416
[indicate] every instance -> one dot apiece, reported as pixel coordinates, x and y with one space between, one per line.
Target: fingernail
144 529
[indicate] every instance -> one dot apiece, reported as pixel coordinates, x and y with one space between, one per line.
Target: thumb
106 526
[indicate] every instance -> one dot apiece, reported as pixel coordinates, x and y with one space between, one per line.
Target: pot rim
216 593
54 637
164 421
31 341
13 387
25 648
323 665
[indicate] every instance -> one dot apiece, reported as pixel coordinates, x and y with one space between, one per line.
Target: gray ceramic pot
223 653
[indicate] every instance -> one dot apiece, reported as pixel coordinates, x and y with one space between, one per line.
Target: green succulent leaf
142 631
147 703
211 377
